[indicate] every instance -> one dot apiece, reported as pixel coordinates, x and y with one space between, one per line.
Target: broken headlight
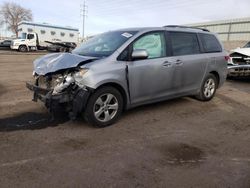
62 82
78 76
80 73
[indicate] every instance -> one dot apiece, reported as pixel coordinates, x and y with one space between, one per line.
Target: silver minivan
122 69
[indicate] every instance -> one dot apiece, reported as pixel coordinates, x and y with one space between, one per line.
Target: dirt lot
178 143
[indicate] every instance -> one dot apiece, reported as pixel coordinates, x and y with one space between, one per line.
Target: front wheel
23 48
104 107
62 49
208 88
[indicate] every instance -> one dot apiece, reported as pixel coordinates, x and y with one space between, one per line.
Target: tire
104 107
22 48
62 49
208 88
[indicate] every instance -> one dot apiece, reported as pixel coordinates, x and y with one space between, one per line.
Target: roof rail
186 27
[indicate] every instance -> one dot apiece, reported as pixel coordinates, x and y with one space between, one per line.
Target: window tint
184 43
30 36
210 43
153 43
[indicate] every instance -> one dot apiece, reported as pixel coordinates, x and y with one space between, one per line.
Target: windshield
23 36
247 45
104 44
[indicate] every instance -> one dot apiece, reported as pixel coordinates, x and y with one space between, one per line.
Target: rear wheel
23 48
208 88
104 107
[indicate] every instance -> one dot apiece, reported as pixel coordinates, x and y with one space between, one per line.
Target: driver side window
153 43
30 36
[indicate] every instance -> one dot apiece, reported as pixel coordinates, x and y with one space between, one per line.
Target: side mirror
139 54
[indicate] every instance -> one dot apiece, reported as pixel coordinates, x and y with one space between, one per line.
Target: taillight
227 58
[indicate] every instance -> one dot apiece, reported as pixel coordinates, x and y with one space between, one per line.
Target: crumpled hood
57 61
243 51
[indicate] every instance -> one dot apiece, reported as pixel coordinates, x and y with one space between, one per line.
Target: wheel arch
120 89
216 74
23 45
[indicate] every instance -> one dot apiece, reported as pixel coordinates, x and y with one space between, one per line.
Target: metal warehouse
229 30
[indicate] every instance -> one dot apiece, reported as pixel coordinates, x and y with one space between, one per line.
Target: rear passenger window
184 43
210 43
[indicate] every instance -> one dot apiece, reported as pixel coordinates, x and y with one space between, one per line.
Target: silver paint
143 81
57 61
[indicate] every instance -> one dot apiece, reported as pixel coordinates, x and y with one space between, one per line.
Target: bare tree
12 14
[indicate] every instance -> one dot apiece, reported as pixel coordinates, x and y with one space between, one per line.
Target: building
48 32
228 30
233 33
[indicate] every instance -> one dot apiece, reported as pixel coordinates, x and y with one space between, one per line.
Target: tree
12 14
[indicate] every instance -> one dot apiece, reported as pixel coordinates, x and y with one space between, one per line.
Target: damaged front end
62 87
60 90
239 63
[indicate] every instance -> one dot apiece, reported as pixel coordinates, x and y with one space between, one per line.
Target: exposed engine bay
60 83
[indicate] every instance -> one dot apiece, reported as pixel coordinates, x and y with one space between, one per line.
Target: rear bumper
75 100
238 70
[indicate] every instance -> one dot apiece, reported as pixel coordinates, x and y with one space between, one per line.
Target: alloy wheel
105 107
209 88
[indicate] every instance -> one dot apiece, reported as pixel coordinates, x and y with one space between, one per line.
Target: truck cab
26 42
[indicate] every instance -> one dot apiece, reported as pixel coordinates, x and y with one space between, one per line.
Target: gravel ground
177 143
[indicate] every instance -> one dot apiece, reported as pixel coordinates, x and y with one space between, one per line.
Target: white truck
35 36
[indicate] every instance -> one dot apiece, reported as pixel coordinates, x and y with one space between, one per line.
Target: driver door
152 78
31 39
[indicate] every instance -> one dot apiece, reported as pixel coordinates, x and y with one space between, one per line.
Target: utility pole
83 15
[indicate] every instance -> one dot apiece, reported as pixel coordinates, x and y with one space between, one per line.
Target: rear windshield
210 43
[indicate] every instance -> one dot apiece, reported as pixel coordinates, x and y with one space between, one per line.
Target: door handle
166 64
179 62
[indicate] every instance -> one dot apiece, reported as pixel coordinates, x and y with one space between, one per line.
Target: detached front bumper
74 100
238 70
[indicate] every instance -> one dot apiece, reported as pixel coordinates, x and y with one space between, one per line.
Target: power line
116 8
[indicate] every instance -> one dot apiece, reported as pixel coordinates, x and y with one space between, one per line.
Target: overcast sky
104 15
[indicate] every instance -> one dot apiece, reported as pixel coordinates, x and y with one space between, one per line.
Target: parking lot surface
177 143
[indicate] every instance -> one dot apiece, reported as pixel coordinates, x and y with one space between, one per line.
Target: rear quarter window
210 43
